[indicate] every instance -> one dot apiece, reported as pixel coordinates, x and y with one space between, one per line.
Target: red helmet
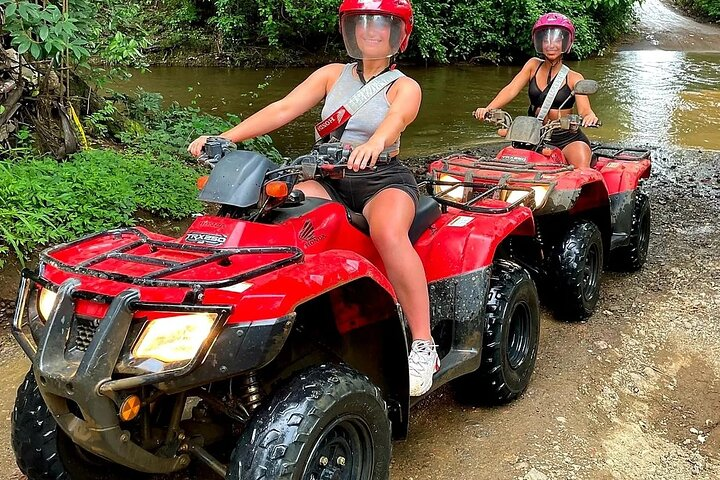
553 23
399 9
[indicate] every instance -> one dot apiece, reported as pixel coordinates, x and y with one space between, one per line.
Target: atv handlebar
214 149
327 160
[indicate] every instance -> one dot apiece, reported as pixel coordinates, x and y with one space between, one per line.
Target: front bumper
83 388
64 379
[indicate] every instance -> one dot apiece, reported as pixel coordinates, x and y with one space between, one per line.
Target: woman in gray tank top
374 32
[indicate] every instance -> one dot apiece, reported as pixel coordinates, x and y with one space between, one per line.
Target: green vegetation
445 30
44 202
709 9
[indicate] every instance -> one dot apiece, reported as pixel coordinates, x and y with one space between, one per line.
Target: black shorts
356 189
563 138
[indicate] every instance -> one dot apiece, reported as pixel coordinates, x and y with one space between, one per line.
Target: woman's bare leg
390 214
311 188
578 154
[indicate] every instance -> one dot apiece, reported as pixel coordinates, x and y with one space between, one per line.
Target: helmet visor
550 40
372 37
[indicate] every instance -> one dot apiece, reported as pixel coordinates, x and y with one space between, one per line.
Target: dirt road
662 27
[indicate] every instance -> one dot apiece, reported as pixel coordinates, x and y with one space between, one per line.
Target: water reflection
650 97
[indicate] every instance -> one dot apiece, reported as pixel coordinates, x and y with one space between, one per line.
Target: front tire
576 268
631 257
44 452
511 337
327 422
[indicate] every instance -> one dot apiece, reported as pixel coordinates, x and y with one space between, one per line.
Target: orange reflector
202 181
277 189
130 408
547 151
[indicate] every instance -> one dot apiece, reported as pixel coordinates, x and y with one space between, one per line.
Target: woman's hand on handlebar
365 155
480 113
196 147
590 120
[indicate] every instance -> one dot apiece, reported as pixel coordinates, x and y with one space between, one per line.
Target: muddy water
658 97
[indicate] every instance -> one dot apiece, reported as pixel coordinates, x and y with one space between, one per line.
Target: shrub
44 202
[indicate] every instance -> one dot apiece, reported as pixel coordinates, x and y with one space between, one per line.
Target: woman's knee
311 188
578 154
388 238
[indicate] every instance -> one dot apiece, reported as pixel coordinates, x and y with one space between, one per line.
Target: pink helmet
553 23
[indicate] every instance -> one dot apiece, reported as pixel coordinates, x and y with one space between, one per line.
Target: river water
652 97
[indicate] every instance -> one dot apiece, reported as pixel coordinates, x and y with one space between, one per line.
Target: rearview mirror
586 87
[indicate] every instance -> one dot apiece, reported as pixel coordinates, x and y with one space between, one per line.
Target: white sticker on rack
460 221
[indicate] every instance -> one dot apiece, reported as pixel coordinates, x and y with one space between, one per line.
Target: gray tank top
363 124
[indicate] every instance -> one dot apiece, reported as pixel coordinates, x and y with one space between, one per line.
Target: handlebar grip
383 158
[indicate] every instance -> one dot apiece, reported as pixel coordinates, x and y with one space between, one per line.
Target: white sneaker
423 362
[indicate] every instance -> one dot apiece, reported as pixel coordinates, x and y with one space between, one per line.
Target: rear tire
44 452
327 422
511 337
576 268
631 257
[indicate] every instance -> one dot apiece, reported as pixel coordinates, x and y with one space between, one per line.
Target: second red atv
265 342
584 218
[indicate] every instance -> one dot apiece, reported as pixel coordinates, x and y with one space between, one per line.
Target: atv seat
428 210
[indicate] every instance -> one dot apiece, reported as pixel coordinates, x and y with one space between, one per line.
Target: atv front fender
467 242
625 176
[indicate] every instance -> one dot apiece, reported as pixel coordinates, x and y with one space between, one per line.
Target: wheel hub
342 452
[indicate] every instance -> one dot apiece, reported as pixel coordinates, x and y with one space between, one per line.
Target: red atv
584 218
266 342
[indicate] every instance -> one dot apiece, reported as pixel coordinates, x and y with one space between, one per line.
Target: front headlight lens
539 192
46 302
451 191
174 339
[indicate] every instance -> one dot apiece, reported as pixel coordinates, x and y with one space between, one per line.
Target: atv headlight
46 302
174 339
539 192
452 191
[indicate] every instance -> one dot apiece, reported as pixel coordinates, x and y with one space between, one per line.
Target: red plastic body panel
551 168
622 175
335 253
591 187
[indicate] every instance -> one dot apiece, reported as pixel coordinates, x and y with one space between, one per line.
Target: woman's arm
404 96
511 90
301 99
583 102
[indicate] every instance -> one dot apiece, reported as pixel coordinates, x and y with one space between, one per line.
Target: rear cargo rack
158 277
620 153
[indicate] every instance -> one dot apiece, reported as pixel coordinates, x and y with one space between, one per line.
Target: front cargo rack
158 278
496 187
508 166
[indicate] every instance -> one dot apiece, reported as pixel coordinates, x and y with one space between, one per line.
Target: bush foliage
445 30
709 9
44 202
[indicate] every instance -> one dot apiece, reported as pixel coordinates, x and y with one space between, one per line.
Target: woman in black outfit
553 36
